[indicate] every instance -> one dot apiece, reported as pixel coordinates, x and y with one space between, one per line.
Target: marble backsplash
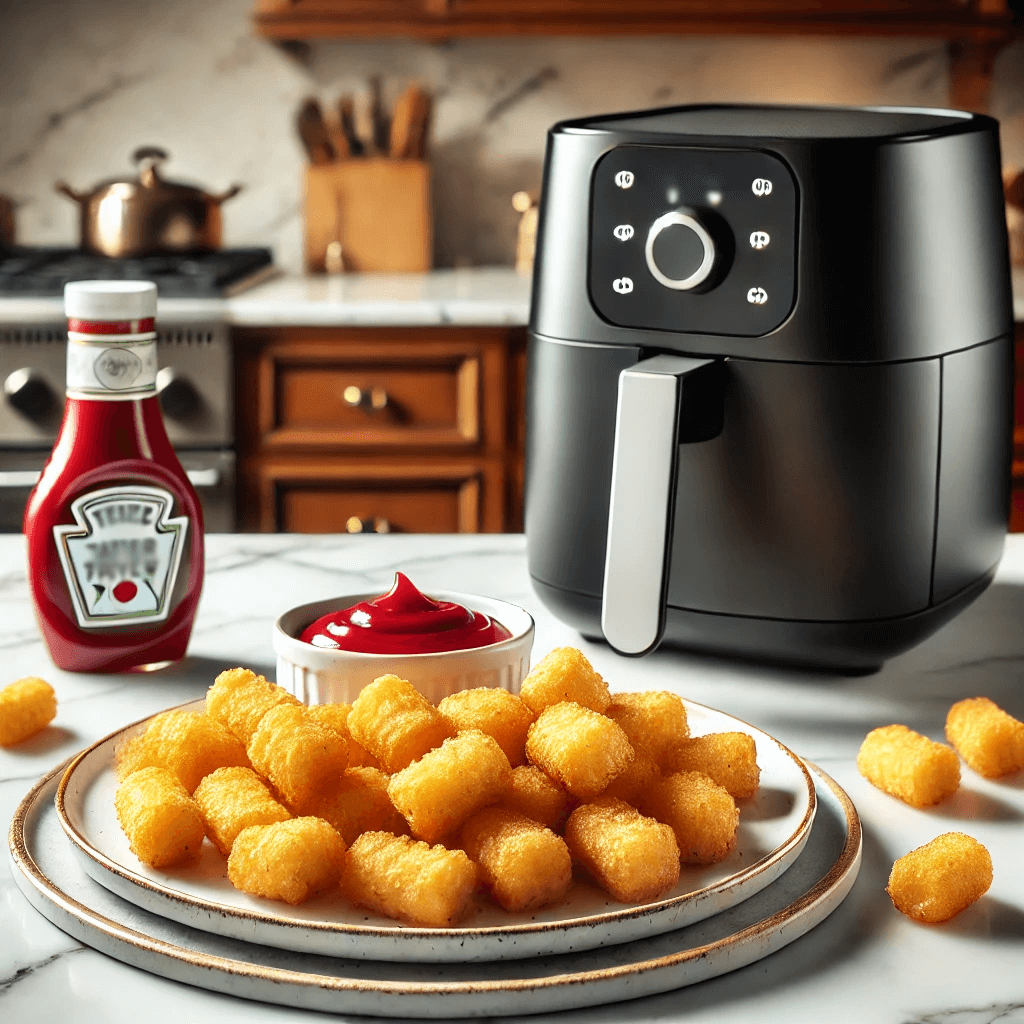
83 82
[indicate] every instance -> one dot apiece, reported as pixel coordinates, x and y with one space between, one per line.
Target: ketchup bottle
114 527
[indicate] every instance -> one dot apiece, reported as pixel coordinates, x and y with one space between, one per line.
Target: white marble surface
865 963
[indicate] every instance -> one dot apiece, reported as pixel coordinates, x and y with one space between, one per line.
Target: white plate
52 879
774 826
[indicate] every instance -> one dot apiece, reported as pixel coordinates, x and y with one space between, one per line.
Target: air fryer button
623 232
623 285
757 296
679 251
624 179
761 187
759 240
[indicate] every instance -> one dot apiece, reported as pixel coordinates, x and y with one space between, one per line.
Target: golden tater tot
299 756
653 721
936 881
396 723
445 786
523 864
579 748
701 813
564 675
231 799
160 819
287 860
634 781
26 707
986 737
728 758
335 716
410 881
909 766
632 857
538 797
497 712
190 744
239 698
357 802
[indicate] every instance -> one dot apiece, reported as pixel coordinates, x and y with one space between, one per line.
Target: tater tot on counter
287 860
239 698
26 707
497 712
728 758
986 737
936 881
160 819
358 802
654 722
632 857
408 880
232 799
335 716
564 675
539 797
909 766
702 814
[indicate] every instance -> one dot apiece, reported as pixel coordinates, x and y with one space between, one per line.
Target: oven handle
12 478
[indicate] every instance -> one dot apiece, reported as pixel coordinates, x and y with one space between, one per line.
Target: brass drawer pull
374 399
375 525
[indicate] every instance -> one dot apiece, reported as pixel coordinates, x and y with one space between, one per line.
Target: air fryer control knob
178 396
28 391
680 251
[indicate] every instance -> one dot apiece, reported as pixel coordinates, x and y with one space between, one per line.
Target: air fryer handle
641 508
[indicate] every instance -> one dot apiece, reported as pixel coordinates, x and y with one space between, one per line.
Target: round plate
774 826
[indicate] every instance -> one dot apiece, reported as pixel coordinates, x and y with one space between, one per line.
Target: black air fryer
770 379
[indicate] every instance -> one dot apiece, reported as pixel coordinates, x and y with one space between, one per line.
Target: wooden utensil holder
376 208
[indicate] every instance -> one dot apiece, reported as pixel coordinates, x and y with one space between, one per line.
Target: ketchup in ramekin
404 621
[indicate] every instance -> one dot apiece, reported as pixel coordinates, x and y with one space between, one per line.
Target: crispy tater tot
190 744
396 723
564 675
358 802
523 864
632 857
909 766
497 712
445 786
26 707
299 756
335 716
654 722
539 797
410 881
936 881
160 819
728 758
579 748
238 699
634 781
231 799
287 860
986 737
701 813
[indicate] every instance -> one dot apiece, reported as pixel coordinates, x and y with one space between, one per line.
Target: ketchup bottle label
121 557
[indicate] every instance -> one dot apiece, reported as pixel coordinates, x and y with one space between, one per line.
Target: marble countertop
866 962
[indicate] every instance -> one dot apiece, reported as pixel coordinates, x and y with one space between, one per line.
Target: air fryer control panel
693 240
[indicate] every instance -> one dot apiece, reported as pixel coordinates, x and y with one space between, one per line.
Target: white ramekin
321 676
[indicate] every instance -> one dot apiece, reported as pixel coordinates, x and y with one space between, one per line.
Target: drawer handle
375 525
374 399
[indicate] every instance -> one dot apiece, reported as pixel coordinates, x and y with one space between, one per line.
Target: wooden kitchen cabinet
414 430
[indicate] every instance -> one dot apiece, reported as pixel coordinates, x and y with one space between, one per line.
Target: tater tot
579 748
357 802
523 864
936 881
188 743
445 786
160 819
232 799
539 797
986 737
728 758
634 781
396 723
564 675
410 881
653 721
909 766
632 857
702 814
299 756
26 707
494 711
238 699
335 716
287 860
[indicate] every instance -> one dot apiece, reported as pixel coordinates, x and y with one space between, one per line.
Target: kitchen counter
865 963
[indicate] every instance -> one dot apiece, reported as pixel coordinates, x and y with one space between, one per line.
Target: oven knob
178 396
29 393
680 251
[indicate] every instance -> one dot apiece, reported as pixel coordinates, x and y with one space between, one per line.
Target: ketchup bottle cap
110 300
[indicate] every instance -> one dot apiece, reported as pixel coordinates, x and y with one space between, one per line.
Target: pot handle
78 197
223 197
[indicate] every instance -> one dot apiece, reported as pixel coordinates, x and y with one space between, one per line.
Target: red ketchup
404 621
114 527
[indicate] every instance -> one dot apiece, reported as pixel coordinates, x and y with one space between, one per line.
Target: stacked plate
796 858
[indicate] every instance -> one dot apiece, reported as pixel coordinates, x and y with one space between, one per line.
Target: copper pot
148 215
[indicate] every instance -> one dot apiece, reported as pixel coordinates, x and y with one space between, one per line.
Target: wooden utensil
347 122
314 134
363 121
409 124
378 117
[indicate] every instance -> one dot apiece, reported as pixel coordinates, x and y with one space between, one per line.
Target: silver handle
642 502
204 477
30 477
